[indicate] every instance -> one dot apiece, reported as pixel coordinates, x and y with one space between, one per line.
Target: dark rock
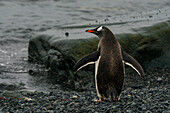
137 86
59 55
31 72
67 34
150 46
12 95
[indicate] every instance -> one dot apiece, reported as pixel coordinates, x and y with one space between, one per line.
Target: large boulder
149 45
60 55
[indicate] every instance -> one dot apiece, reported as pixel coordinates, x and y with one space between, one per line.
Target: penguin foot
116 99
100 99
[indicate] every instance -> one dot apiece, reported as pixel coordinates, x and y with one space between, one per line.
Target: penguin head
99 31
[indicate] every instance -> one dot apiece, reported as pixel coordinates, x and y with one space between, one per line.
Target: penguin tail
114 97
112 94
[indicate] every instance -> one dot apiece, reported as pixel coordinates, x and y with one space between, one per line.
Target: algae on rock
150 46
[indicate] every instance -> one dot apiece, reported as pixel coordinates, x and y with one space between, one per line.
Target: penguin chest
109 67
109 75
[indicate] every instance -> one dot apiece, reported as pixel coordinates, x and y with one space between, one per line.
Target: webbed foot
100 99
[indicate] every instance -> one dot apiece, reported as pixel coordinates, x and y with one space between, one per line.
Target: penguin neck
109 38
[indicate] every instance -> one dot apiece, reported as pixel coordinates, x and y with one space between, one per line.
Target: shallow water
22 19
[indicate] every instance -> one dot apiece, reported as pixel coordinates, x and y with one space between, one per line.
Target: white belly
96 69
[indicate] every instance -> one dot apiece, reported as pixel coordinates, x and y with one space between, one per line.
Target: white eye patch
100 28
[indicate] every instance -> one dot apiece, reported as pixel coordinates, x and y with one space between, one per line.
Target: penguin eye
100 28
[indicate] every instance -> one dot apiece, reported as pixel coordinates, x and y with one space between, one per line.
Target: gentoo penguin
109 62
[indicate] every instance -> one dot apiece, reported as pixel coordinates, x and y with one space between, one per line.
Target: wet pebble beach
150 95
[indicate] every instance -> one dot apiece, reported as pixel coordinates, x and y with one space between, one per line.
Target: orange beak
90 31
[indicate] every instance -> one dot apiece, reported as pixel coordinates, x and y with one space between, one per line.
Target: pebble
154 96
67 34
159 79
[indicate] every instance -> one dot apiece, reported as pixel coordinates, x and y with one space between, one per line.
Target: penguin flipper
89 59
130 61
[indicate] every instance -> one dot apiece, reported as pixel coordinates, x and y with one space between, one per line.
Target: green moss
85 47
156 27
148 44
129 42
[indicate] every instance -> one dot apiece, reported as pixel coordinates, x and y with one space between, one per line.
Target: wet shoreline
150 96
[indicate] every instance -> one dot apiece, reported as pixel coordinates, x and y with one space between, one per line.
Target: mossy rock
60 55
150 46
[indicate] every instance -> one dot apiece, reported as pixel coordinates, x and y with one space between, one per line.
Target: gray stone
150 46
159 79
